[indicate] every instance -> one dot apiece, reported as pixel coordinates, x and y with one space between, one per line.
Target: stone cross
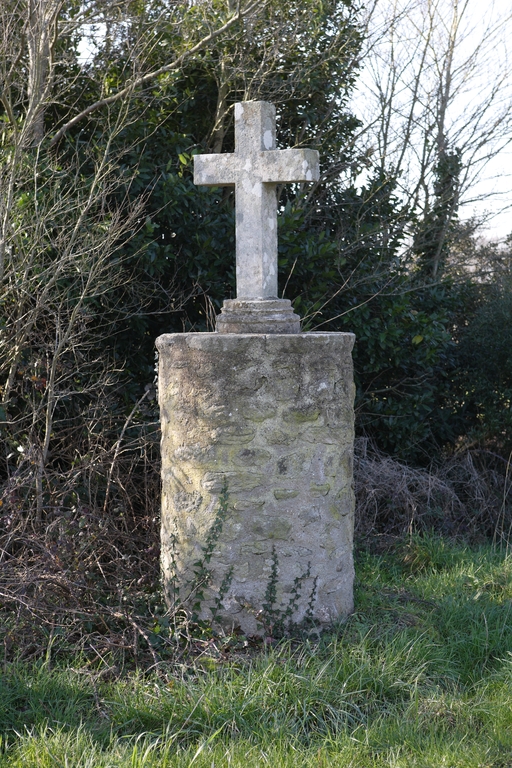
269 414
254 170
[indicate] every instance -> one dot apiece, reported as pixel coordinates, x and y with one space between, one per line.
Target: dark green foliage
348 271
434 232
182 259
484 376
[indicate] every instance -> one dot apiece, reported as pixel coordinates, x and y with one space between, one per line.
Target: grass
419 676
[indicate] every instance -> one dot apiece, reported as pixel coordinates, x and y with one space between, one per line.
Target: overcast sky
481 103
496 178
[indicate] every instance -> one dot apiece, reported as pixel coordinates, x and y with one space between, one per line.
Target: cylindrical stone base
270 419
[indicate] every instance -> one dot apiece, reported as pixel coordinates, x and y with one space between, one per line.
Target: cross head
254 170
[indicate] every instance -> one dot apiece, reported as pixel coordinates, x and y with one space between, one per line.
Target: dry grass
466 495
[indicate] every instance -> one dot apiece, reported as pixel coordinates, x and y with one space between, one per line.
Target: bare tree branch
434 79
174 65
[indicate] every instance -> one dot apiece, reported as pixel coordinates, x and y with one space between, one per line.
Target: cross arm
215 170
288 165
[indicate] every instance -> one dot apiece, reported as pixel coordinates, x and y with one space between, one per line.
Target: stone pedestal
269 315
269 417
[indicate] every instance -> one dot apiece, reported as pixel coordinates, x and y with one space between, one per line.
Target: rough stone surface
254 169
271 416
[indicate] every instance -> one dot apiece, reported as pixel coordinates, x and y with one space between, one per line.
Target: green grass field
420 676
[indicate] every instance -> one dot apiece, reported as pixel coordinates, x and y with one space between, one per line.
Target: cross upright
254 170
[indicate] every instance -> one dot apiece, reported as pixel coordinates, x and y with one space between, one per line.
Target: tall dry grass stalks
466 495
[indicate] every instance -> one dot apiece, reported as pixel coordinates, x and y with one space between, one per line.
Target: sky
494 187
495 182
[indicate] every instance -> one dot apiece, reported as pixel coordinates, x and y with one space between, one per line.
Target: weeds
202 573
277 620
